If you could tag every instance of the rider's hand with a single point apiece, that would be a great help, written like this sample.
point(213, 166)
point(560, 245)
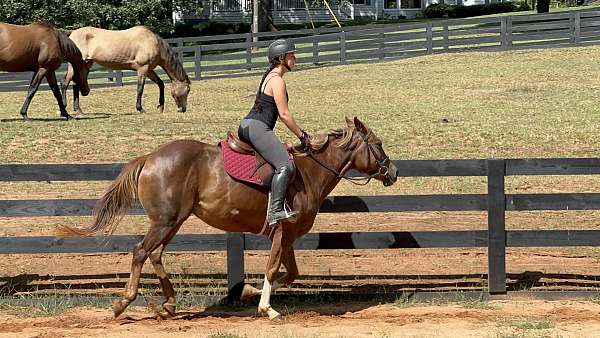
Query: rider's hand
point(305, 140)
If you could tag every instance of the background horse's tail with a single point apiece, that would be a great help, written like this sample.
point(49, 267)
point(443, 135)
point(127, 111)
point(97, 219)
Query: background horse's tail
point(117, 199)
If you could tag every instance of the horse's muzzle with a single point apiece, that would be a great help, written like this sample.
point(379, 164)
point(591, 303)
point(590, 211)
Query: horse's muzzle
point(181, 109)
point(85, 92)
point(391, 176)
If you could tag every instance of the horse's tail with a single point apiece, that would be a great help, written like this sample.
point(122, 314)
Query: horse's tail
point(117, 199)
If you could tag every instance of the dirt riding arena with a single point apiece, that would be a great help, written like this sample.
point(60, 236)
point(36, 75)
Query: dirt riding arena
point(358, 271)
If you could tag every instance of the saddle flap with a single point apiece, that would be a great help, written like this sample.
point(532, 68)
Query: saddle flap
point(238, 145)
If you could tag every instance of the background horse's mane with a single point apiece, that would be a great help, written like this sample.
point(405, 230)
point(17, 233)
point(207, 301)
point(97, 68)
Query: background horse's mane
point(318, 141)
point(171, 60)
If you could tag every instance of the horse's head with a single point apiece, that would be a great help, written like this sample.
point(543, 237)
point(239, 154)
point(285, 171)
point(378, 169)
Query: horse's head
point(81, 79)
point(368, 156)
point(180, 91)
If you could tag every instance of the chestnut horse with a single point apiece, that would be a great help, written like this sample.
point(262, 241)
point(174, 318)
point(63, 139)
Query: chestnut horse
point(136, 48)
point(186, 176)
point(41, 48)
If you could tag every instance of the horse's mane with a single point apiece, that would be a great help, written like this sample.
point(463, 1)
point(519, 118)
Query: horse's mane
point(318, 141)
point(171, 60)
point(69, 49)
point(67, 46)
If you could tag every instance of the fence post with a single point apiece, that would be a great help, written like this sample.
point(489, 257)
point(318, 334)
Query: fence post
point(503, 38)
point(198, 62)
point(381, 44)
point(509, 32)
point(249, 51)
point(119, 77)
point(343, 47)
point(445, 36)
point(577, 27)
point(429, 29)
point(316, 48)
point(235, 265)
point(496, 228)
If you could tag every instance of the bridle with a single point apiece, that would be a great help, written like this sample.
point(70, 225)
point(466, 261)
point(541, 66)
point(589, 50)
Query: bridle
point(382, 170)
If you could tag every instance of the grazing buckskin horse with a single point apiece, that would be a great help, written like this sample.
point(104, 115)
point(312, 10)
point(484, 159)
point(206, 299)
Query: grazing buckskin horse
point(186, 176)
point(136, 48)
point(41, 48)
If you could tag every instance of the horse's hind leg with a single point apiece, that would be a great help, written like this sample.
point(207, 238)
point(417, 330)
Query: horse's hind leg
point(161, 89)
point(165, 283)
point(158, 234)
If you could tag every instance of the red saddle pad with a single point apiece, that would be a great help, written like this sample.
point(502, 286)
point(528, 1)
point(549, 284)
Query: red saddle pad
point(242, 167)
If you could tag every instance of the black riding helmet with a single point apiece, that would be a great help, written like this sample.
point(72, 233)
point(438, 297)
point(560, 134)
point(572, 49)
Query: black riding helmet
point(280, 47)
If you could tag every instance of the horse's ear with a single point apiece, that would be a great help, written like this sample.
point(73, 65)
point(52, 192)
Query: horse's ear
point(359, 125)
point(349, 122)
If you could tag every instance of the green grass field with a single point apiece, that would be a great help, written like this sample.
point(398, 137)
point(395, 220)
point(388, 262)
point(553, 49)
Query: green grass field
point(515, 104)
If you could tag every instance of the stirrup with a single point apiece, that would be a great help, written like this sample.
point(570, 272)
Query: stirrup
point(286, 214)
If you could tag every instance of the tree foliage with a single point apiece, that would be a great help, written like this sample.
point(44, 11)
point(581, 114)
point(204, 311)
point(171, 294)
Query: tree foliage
point(109, 14)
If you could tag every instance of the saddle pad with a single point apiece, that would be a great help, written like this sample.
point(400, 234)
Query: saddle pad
point(242, 167)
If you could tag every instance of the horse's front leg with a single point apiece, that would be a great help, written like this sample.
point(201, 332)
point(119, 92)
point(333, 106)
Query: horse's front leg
point(141, 80)
point(64, 85)
point(289, 261)
point(51, 77)
point(33, 87)
point(264, 306)
point(161, 89)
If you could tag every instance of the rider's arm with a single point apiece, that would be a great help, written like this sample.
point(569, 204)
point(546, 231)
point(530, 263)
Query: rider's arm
point(278, 87)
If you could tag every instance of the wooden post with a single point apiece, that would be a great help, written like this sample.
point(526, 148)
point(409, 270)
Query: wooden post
point(496, 227)
point(343, 47)
point(315, 39)
point(577, 27)
point(119, 77)
point(445, 36)
point(381, 45)
point(503, 38)
point(509, 32)
point(249, 51)
point(198, 62)
point(429, 29)
point(235, 265)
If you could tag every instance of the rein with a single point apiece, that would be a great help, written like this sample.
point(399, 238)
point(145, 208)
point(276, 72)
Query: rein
point(383, 170)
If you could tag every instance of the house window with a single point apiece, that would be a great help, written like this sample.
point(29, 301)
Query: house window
point(391, 4)
point(410, 3)
point(359, 2)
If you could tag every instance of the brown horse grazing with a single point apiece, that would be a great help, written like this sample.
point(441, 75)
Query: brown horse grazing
point(136, 48)
point(185, 177)
point(41, 48)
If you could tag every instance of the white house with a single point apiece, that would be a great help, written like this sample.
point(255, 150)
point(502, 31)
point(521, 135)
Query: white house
point(295, 11)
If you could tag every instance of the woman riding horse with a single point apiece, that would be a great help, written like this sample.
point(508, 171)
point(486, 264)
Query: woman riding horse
point(257, 127)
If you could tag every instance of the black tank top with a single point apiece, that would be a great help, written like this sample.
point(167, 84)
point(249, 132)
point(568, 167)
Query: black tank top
point(268, 109)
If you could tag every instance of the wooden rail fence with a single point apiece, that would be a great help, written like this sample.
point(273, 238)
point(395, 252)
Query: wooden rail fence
point(244, 54)
point(496, 202)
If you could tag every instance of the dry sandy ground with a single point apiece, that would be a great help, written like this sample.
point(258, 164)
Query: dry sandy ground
point(500, 318)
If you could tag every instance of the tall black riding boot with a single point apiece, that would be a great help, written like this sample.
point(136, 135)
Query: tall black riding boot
point(279, 184)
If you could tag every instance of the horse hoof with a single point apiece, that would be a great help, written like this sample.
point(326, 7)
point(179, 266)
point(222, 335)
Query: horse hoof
point(249, 291)
point(170, 308)
point(161, 108)
point(141, 111)
point(66, 117)
point(26, 119)
point(118, 307)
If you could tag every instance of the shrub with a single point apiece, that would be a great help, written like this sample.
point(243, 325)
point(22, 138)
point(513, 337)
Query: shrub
point(460, 11)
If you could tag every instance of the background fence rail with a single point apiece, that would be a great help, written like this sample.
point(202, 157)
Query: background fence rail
point(243, 54)
point(496, 238)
